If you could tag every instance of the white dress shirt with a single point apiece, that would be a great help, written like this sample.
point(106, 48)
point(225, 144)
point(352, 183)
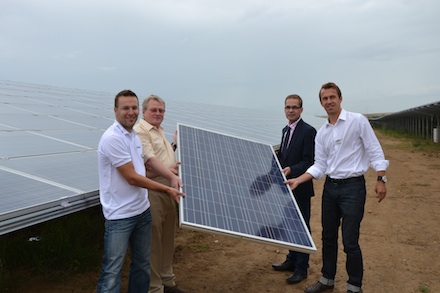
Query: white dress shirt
point(347, 148)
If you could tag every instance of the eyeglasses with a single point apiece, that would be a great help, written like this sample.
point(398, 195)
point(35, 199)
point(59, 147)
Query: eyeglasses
point(154, 110)
point(292, 108)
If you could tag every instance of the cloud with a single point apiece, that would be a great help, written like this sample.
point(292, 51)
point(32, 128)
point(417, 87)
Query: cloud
point(69, 55)
point(107, 68)
point(244, 52)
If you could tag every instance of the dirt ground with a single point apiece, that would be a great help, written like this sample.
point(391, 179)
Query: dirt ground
point(400, 239)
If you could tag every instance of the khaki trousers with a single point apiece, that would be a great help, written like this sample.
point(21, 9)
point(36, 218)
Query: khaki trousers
point(164, 214)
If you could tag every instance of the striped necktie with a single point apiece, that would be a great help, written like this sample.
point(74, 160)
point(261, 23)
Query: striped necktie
point(286, 139)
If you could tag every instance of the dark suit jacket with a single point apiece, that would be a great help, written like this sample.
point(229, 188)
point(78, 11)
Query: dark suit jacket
point(300, 155)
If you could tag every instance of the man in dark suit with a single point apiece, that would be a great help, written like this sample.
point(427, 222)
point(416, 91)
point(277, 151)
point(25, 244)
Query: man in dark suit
point(296, 155)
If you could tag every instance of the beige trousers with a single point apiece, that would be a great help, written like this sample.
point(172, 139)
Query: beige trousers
point(164, 214)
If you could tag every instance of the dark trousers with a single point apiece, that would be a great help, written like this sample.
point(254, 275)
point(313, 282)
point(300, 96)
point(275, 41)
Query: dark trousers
point(344, 201)
point(301, 260)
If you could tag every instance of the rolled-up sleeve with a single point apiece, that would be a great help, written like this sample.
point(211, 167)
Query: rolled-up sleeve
point(373, 147)
point(317, 170)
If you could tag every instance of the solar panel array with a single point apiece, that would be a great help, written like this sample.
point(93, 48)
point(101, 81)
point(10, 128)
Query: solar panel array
point(49, 136)
point(235, 187)
point(47, 152)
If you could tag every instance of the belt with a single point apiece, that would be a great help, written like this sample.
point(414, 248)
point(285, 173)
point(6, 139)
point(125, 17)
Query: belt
point(345, 181)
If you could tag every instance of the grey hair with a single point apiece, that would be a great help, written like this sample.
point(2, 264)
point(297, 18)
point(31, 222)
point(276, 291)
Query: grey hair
point(154, 98)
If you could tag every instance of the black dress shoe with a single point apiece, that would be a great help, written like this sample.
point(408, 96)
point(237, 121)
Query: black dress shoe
point(296, 278)
point(318, 287)
point(287, 265)
point(174, 289)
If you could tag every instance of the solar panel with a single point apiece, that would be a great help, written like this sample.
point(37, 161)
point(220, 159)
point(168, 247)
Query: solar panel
point(49, 136)
point(235, 187)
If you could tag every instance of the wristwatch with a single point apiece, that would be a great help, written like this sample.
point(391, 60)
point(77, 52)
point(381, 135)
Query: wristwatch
point(384, 178)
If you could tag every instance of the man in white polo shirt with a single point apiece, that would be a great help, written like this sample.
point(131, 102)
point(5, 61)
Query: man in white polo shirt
point(124, 199)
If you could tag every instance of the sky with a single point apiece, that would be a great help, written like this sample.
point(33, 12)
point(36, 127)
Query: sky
point(384, 54)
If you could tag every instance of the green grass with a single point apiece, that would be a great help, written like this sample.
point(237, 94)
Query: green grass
point(410, 141)
point(423, 288)
point(66, 245)
point(200, 243)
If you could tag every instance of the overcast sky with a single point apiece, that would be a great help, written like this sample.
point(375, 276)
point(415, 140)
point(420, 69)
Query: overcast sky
point(384, 54)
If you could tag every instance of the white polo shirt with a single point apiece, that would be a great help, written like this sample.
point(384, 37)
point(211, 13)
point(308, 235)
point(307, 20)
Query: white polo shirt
point(118, 198)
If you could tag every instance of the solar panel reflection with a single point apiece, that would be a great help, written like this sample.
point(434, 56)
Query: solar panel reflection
point(235, 187)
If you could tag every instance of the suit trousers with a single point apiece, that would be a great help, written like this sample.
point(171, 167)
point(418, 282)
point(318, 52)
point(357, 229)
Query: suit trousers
point(301, 260)
point(164, 214)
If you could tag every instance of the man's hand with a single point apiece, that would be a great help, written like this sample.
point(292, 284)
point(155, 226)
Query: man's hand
point(175, 137)
point(381, 190)
point(176, 182)
point(175, 194)
point(286, 171)
point(175, 168)
point(155, 167)
point(293, 183)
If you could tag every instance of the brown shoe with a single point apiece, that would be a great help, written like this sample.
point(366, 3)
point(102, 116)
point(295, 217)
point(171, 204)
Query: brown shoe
point(174, 289)
point(318, 287)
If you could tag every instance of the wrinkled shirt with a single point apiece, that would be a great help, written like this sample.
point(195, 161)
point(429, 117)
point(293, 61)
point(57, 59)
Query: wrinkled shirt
point(154, 144)
point(347, 148)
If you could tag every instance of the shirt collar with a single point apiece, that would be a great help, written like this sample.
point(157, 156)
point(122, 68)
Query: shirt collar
point(342, 116)
point(147, 125)
point(123, 130)
point(294, 124)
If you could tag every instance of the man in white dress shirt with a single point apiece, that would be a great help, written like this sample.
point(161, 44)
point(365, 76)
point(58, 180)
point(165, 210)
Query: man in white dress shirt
point(345, 147)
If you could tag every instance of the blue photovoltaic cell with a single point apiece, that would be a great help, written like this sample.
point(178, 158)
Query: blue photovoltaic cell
point(49, 136)
point(235, 187)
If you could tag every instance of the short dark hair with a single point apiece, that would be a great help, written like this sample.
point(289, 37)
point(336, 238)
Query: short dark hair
point(330, 85)
point(124, 93)
point(294, 96)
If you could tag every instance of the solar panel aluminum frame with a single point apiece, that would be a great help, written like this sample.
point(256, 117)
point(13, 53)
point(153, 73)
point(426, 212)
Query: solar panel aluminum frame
point(184, 223)
point(20, 219)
